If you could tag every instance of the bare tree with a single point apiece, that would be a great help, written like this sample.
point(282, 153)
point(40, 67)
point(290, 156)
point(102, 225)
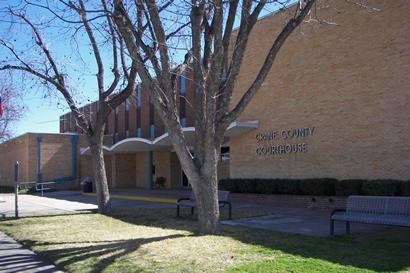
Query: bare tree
point(91, 32)
point(215, 56)
point(13, 108)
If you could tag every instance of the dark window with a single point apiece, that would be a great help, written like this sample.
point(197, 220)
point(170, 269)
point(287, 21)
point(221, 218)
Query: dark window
point(225, 155)
point(151, 120)
point(116, 136)
point(182, 101)
point(127, 118)
point(138, 104)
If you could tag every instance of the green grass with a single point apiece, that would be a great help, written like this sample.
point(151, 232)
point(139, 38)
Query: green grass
point(153, 240)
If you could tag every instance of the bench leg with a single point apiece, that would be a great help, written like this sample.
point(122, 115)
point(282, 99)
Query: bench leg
point(177, 210)
point(347, 227)
point(192, 211)
point(332, 227)
point(230, 211)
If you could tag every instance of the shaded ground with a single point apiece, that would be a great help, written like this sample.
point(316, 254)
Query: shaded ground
point(14, 258)
point(154, 240)
point(300, 221)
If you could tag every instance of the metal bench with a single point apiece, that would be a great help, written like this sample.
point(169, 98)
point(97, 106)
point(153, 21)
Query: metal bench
point(191, 202)
point(378, 210)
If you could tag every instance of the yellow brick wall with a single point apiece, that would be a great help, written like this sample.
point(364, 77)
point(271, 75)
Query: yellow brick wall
point(10, 152)
point(125, 176)
point(56, 156)
point(141, 169)
point(349, 81)
point(223, 169)
point(162, 163)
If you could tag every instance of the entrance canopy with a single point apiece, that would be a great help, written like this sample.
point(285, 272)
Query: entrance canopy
point(163, 142)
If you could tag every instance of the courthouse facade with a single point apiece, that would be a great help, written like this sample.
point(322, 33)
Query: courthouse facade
point(335, 104)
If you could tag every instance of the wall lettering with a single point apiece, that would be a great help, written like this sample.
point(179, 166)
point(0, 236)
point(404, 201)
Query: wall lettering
point(266, 145)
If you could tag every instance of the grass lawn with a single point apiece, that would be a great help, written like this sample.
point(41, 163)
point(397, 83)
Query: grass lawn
point(153, 240)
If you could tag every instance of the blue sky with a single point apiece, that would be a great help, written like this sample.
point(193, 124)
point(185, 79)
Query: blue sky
point(42, 112)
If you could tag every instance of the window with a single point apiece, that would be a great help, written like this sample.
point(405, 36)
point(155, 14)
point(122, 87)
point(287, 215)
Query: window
point(183, 84)
point(127, 105)
point(90, 109)
point(116, 135)
point(70, 123)
point(127, 118)
point(152, 131)
point(225, 155)
point(138, 97)
point(224, 73)
point(151, 121)
point(182, 102)
point(138, 112)
point(183, 122)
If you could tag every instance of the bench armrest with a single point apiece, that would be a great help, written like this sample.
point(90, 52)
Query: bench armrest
point(336, 210)
point(224, 203)
point(183, 199)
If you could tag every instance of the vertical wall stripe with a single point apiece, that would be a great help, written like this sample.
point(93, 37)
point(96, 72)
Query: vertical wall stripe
point(149, 171)
point(39, 165)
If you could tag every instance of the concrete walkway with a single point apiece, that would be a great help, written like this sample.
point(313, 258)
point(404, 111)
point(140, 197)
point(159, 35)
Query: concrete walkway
point(15, 258)
point(31, 205)
point(302, 221)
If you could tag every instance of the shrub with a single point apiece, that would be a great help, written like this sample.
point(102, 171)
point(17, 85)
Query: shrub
point(227, 184)
point(381, 187)
point(349, 187)
point(287, 186)
point(245, 185)
point(318, 186)
point(160, 181)
point(265, 186)
point(6, 189)
point(405, 188)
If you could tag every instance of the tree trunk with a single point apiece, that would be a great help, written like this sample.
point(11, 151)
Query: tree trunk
point(208, 208)
point(205, 187)
point(100, 177)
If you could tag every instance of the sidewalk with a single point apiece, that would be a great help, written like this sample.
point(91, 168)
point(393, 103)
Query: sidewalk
point(15, 258)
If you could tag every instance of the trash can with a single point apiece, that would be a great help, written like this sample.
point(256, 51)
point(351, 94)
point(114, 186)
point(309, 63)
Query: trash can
point(87, 184)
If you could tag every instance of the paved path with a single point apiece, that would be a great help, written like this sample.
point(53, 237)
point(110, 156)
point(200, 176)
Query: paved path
point(30, 205)
point(311, 222)
point(15, 258)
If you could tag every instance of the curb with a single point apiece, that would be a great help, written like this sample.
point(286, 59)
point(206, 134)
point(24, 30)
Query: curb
point(137, 198)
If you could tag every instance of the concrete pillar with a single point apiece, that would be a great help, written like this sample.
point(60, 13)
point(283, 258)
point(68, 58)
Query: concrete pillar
point(113, 171)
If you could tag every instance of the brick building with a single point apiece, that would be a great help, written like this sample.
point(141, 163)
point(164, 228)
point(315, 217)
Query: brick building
point(336, 104)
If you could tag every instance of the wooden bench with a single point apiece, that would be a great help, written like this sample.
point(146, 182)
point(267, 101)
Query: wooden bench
point(378, 210)
point(191, 202)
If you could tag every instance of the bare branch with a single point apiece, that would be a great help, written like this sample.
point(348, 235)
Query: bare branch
point(284, 34)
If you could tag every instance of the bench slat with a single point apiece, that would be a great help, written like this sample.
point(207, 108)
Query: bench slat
point(384, 210)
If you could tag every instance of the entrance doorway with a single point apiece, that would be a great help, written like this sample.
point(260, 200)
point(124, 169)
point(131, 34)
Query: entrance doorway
point(185, 182)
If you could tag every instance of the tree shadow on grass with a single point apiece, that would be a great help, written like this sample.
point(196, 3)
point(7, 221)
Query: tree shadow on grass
point(100, 254)
point(382, 250)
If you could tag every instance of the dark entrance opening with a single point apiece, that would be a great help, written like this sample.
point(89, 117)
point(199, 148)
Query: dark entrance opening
point(185, 182)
